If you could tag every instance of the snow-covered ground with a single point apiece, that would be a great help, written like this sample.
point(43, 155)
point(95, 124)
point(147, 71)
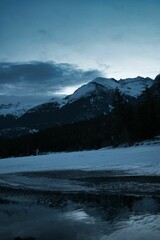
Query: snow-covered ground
point(137, 160)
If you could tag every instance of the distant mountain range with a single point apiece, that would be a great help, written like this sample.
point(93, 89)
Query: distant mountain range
point(88, 101)
point(15, 110)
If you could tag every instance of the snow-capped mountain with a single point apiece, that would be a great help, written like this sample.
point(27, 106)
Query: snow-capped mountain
point(92, 87)
point(134, 86)
point(131, 86)
point(16, 110)
point(88, 101)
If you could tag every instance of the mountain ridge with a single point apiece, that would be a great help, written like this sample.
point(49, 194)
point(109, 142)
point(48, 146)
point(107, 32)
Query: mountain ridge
point(124, 85)
point(88, 101)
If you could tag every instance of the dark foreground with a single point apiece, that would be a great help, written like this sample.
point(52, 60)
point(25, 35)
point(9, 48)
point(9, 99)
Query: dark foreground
point(79, 205)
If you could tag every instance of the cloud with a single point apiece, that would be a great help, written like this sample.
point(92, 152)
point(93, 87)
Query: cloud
point(40, 78)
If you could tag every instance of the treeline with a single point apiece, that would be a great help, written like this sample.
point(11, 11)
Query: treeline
point(128, 122)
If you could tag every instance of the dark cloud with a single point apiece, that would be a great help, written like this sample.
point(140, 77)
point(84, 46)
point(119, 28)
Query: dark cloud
point(40, 78)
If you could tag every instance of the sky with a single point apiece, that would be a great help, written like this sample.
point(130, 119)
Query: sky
point(51, 47)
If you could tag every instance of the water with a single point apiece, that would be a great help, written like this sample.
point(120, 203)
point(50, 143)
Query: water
point(98, 217)
point(79, 205)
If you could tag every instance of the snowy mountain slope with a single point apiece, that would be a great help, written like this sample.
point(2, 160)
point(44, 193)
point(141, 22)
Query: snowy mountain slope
point(108, 83)
point(16, 110)
point(83, 91)
point(134, 86)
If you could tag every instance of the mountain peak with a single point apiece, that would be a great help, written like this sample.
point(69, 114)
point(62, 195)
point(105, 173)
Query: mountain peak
point(83, 91)
point(109, 83)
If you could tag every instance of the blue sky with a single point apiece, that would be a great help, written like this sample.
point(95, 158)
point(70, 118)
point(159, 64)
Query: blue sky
point(119, 38)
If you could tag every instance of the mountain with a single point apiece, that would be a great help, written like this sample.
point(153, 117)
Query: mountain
point(88, 101)
point(131, 86)
point(9, 115)
point(135, 86)
point(15, 110)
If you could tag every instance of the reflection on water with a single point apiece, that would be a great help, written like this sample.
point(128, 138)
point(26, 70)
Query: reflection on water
point(137, 227)
point(116, 218)
point(79, 215)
